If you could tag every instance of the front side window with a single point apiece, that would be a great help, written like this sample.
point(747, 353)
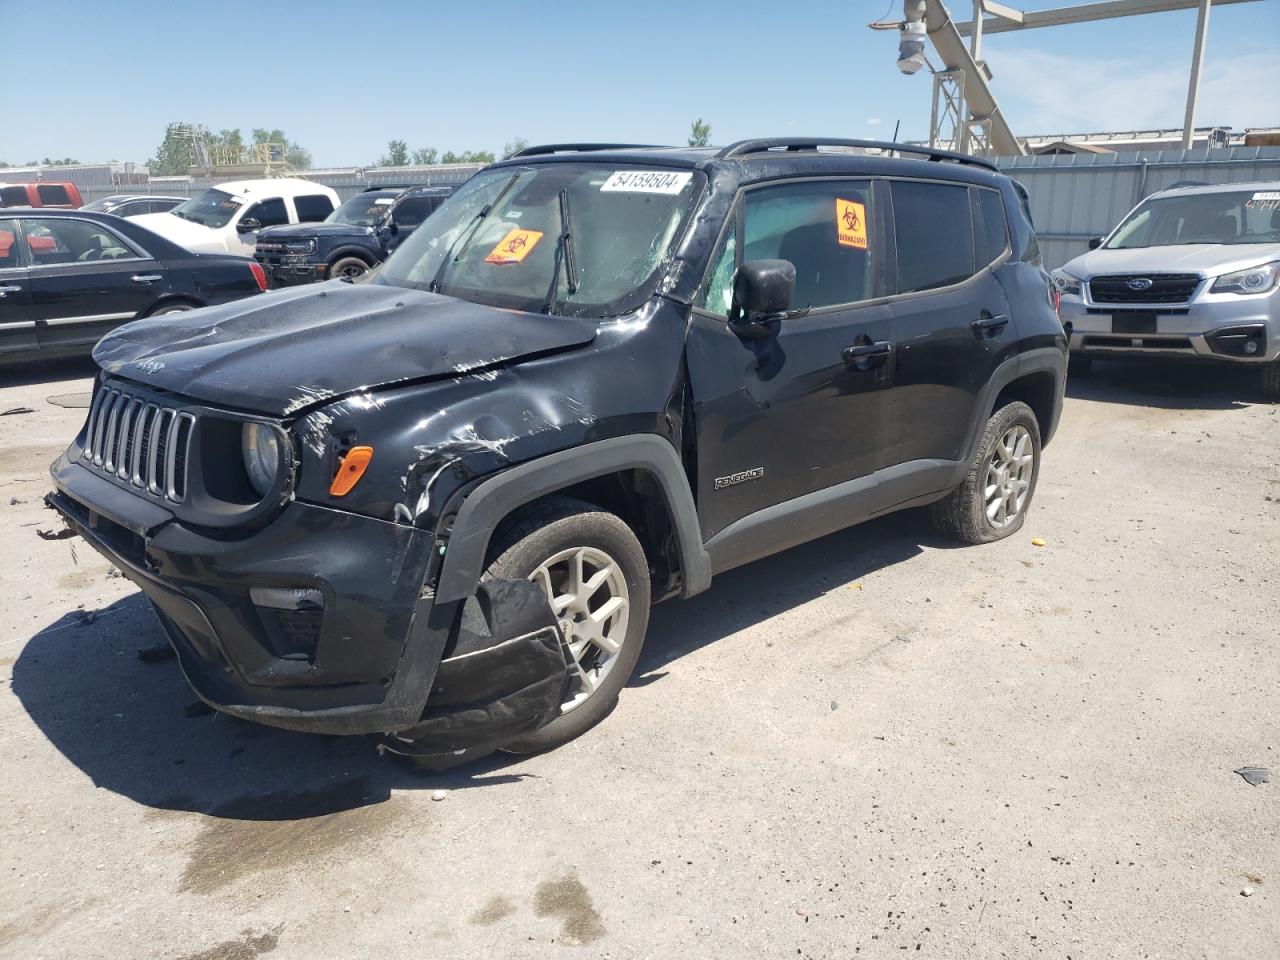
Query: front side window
point(1234, 216)
point(213, 208)
point(578, 239)
point(412, 211)
point(312, 208)
point(269, 213)
point(717, 293)
point(57, 241)
point(934, 231)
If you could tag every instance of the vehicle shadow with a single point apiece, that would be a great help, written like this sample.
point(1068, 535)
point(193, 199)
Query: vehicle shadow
point(15, 373)
point(99, 686)
point(1170, 385)
point(747, 595)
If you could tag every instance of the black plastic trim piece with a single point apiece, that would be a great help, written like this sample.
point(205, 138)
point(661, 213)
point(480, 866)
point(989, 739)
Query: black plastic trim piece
point(486, 506)
point(796, 144)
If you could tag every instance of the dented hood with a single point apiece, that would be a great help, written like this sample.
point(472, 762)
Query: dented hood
point(281, 352)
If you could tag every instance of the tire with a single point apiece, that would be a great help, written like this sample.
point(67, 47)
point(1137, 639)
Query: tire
point(964, 513)
point(347, 268)
point(1271, 381)
point(179, 306)
point(550, 529)
point(1080, 366)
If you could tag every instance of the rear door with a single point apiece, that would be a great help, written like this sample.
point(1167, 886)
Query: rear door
point(17, 324)
point(86, 279)
point(952, 322)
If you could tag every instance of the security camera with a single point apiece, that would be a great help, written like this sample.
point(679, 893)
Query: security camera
point(911, 47)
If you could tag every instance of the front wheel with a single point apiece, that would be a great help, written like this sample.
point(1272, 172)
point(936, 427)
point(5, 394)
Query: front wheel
point(594, 573)
point(1271, 381)
point(348, 268)
point(993, 500)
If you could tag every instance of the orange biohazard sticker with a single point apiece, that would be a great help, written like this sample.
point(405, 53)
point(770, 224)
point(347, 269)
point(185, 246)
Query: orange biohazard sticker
point(514, 247)
point(851, 224)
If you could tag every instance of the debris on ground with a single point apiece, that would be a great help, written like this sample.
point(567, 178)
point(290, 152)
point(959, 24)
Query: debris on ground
point(12, 410)
point(115, 573)
point(63, 534)
point(1037, 542)
point(14, 501)
point(1246, 892)
point(156, 654)
point(72, 400)
point(1254, 775)
point(437, 795)
point(86, 617)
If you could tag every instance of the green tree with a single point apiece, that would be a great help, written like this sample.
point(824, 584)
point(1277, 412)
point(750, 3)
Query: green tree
point(426, 156)
point(226, 146)
point(171, 158)
point(699, 133)
point(468, 156)
point(515, 146)
point(397, 154)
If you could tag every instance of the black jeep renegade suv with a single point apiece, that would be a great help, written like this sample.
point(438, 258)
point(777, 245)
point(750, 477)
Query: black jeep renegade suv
point(351, 241)
point(437, 506)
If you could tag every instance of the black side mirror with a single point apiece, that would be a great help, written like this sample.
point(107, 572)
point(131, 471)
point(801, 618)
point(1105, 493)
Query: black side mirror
point(248, 225)
point(762, 295)
point(1096, 242)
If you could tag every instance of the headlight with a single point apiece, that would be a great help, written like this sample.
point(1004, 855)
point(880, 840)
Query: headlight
point(1066, 283)
point(300, 246)
point(260, 449)
point(1254, 280)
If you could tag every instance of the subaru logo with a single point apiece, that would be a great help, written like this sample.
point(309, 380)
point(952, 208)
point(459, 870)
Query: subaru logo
point(1139, 283)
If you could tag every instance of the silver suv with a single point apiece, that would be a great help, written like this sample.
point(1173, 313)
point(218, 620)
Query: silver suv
point(1191, 272)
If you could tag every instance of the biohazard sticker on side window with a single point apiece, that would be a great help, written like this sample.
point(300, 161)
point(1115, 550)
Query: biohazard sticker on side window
point(646, 181)
point(851, 224)
point(514, 247)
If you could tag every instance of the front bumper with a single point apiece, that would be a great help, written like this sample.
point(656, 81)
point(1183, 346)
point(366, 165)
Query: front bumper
point(1210, 327)
point(366, 661)
point(290, 271)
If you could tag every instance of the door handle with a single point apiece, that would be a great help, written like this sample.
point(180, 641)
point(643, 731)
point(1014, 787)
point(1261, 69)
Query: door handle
point(987, 323)
point(868, 351)
point(146, 277)
point(9, 288)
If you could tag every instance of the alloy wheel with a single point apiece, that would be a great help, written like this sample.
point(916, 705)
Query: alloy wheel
point(1008, 478)
point(588, 593)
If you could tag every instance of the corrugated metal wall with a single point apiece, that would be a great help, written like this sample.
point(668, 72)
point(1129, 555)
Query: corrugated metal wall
point(1075, 197)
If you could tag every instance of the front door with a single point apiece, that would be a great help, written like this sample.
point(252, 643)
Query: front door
point(806, 407)
point(17, 324)
point(952, 322)
point(86, 279)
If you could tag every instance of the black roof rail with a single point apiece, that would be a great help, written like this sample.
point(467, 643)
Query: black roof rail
point(548, 148)
point(793, 144)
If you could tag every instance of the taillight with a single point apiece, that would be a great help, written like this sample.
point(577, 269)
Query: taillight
point(258, 274)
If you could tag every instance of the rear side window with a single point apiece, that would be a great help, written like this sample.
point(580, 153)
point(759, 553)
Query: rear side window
point(52, 194)
point(313, 208)
point(934, 235)
point(13, 196)
point(62, 240)
point(992, 232)
point(270, 213)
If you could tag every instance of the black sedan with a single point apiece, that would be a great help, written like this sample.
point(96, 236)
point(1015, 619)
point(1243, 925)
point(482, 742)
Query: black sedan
point(67, 277)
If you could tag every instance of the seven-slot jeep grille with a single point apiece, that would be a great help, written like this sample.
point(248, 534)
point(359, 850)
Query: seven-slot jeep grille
point(139, 441)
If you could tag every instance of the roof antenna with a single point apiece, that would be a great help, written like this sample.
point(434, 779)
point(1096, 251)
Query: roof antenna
point(895, 129)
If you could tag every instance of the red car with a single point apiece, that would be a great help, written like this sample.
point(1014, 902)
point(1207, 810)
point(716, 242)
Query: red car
point(42, 193)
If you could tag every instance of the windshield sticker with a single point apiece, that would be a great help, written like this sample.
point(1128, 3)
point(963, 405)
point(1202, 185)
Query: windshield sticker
point(384, 202)
point(514, 247)
point(851, 224)
point(646, 181)
point(1264, 200)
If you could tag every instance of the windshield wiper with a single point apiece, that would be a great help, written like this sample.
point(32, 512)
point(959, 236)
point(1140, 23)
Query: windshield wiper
point(564, 257)
point(462, 240)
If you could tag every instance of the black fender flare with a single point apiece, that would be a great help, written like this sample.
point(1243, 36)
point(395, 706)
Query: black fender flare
point(1050, 360)
point(493, 499)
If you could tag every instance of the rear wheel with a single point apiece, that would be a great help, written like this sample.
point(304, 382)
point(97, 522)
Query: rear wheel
point(347, 268)
point(178, 306)
point(993, 500)
point(1271, 381)
point(594, 573)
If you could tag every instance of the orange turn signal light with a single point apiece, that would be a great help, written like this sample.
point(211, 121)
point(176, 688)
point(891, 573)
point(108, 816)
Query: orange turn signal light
point(350, 470)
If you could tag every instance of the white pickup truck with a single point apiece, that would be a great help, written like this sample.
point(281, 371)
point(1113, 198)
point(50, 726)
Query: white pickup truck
point(227, 218)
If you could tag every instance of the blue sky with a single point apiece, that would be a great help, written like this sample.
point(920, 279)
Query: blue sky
point(343, 78)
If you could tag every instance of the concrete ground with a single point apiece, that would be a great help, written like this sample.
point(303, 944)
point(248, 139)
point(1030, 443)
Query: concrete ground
point(874, 745)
